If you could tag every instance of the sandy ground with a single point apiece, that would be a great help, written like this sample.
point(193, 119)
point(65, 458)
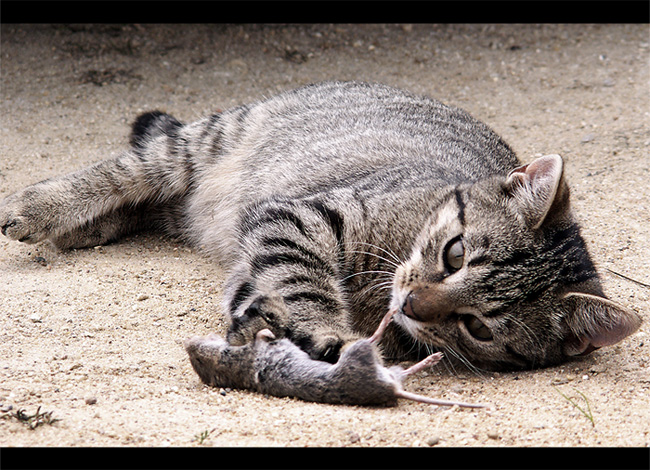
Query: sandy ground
point(94, 336)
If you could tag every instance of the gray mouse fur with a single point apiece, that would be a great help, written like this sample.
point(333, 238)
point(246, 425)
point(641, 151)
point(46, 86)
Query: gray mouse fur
point(280, 368)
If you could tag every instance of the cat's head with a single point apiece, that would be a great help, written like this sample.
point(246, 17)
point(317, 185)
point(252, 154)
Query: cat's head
point(501, 277)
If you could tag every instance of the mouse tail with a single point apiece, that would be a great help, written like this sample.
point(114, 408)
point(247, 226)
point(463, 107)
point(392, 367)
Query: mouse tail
point(434, 401)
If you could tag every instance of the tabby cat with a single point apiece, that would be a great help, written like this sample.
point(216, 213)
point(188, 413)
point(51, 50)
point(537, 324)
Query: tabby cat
point(341, 200)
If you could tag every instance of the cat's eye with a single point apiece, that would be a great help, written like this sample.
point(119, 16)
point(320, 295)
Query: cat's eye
point(477, 328)
point(454, 254)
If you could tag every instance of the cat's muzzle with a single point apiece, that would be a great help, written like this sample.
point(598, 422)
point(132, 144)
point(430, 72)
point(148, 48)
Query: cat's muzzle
point(427, 305)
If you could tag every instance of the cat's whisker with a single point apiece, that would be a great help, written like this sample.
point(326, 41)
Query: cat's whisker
point(366, 272)
point(415, 345)
point(448, 361)
point(379, 286)
point(449, 365)
point(473, 368)
point(532, 337)
point(387, 251)
point(392, 263)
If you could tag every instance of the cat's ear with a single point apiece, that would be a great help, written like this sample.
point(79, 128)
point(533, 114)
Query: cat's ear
point(593, 322)
point(539, 190)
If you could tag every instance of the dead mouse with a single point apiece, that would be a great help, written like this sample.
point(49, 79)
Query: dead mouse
point(280, 368)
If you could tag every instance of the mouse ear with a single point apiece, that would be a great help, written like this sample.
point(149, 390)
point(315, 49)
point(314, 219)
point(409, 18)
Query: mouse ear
point(539, 190)
point(594, 322)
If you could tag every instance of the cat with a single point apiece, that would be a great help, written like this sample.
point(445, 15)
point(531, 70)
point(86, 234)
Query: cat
point(345, 200)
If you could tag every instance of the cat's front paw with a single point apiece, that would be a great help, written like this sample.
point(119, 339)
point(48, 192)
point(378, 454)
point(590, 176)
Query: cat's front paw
point(265, 312)
point(22, 219)
point(325, 345)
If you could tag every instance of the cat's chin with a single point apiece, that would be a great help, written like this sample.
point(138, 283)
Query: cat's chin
point(406, 323)
point(415, 330)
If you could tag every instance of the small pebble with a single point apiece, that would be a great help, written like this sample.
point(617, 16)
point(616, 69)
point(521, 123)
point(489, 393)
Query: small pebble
point(598, 369)
point(142, 297)
point(432, 441)
point(493, 435)
point(40, 260)
point(91, 400)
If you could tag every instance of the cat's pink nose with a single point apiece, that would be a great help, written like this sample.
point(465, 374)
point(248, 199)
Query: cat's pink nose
point(426, 304)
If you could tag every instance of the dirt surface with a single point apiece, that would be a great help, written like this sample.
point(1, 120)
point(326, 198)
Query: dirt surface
point(94, 336)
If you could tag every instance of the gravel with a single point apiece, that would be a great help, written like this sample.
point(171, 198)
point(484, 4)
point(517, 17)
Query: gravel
point(95, 336)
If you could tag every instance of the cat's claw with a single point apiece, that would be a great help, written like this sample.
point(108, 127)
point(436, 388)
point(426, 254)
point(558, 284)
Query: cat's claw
point(327, 348)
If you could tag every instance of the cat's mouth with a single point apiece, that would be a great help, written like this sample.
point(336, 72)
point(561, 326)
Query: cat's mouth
point(419, 330)
point(466, 321)
point(421, 315)
point(408, 319)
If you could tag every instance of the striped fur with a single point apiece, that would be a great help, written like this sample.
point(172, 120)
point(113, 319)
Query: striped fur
point(330, 203)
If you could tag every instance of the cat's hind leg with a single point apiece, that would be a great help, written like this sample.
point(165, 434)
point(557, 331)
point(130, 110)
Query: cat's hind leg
point(105, 200)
